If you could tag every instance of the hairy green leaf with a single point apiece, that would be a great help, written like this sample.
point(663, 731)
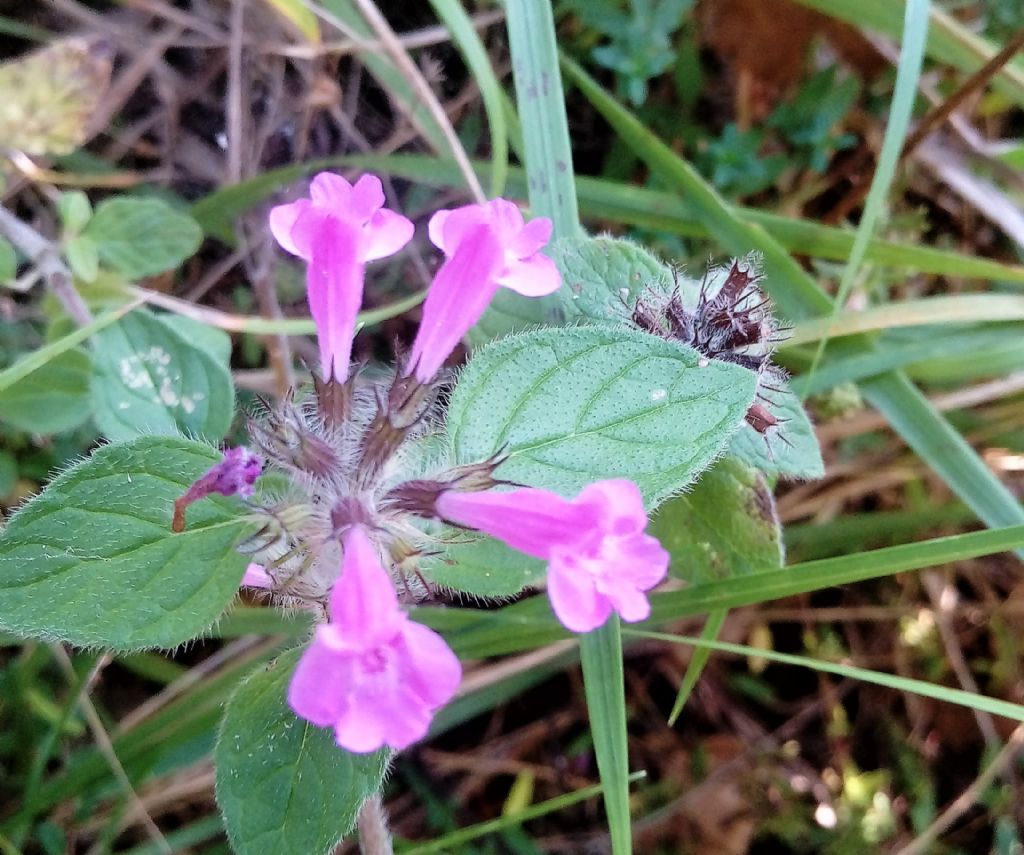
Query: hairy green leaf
point(789, 448)
point(92, 560)
point(482, 566)
point(603, 276)
point(572, 406)
point(725, 527)
point(150, 378)
point(283, 785)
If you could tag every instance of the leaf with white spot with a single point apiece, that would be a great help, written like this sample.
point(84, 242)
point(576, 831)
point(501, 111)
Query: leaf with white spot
point(150, 379)
point(574, 405)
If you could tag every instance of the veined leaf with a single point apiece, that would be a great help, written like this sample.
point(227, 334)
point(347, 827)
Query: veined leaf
point(572, 406)
point(726, 526)
point(92, 560)
point(283, 785)
point(142, 236)
point(149, 378)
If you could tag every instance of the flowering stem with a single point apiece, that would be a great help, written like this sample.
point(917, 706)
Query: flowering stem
point(374, 835)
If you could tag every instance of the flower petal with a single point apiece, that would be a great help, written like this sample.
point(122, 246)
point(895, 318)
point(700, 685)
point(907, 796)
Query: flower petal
point(429, 668)
point(458, 225)
point(334, 280)
point(458, 296)
point(535, 276)
point(332, 192)
point(318, 688)
point(631, 603)
point(366, 199)
point(256, 576)
point(364, 606)
point(574, 598)
point(435, 228)
point(385, 234)
point(532, 238)
point(507, 219)
point(382, 714)
point(282, 224)
point(622, 504)
point(529, 519)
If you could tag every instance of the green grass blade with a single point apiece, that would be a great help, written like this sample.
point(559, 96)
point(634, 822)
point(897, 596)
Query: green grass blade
point(552, 187)
point(539, 97)
point(715, 622)
point(890, 681)
point(908, 71)
point(604, 684)
point(467, 40)
point(493, 826)
point(798, 296)
point(604, 200)
point(529, 624)
point(963, 308)
point(38, 358)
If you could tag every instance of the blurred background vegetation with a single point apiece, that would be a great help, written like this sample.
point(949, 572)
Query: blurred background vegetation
point(216, 107)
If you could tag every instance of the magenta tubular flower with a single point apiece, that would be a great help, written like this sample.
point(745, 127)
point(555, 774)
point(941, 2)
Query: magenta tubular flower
point(372, 674)
point(486, 247)
point(599, 558)
point(337, 231)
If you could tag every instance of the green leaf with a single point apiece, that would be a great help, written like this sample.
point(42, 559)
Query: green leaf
point(8, 474)
point(53, 398)
point(83, 257)
point(149, 378)
point(789, 448)
point(726, 526)
point(283, 785)
point(603, 276)
point(483, 567)
point(8, 261)
point(572, 406)
point(74, 210)
point(142, 236)
point(92, 560)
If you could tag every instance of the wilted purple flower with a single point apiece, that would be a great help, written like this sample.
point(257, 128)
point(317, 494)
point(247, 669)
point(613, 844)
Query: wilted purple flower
point(234, 475)
point(599, 558)
point(337, 231)
point(487, 247)
point(372, 674)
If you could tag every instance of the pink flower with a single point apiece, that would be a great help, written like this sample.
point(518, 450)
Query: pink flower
point(599, 558)
point(486, 247)
point(337, 231)
point(256, 576)
point(371, 673)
